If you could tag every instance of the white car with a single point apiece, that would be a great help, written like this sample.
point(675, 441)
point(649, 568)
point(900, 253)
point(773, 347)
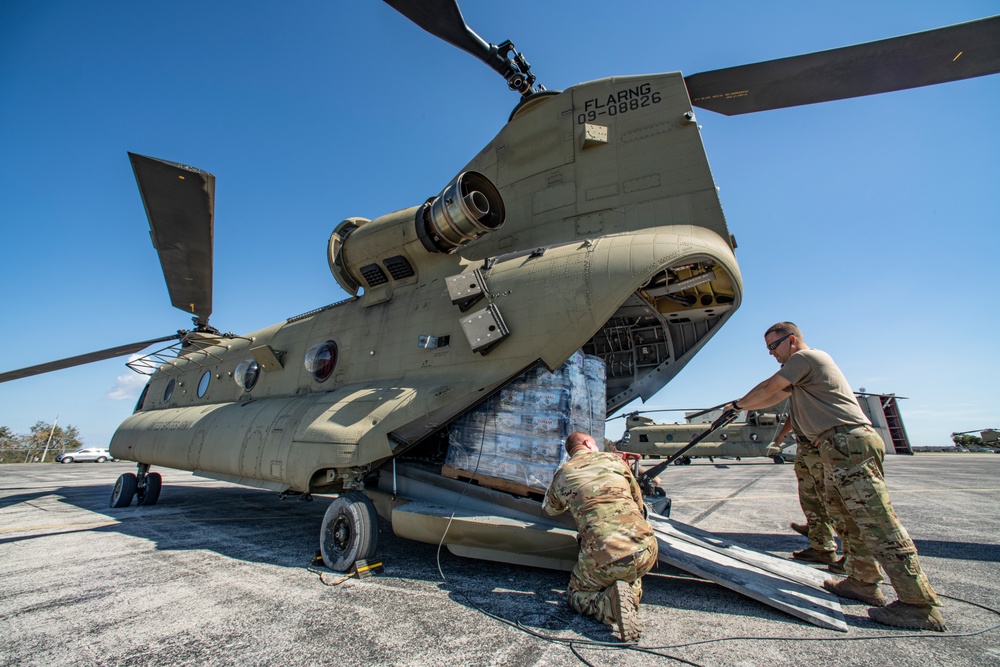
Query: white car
point(94, 454)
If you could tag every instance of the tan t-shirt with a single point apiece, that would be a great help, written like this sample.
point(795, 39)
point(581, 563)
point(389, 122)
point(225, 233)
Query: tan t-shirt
point(821, 397)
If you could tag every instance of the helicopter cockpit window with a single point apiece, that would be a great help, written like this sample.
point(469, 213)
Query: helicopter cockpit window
point(169, 391)
point(321, 359)
point(206, 377)
point(142, 398)
point(247, 374)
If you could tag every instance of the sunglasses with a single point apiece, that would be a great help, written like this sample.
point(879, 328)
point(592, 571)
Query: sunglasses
point(774, 346)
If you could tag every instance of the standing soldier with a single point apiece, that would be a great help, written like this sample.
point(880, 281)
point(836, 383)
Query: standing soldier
point(820, 520)
point(828, 413)
point(617, 545)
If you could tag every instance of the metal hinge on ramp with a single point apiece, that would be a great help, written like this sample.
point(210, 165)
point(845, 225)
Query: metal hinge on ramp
point(786, 585)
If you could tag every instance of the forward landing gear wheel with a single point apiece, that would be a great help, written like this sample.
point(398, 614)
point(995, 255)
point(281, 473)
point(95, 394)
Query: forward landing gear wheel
point(124, 490)
point(778, 458)
point(349, 531)
point(150, 492)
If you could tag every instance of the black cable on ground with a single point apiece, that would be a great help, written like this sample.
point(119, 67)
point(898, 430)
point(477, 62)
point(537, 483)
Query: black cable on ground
point(915, 634)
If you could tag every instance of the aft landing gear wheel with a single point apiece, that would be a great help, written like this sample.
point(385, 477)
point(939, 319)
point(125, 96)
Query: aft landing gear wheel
point(124, 490)
point(349, 531)
point(149, 492)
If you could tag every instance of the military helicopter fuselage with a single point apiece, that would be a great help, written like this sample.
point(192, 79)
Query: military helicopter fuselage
point(603, 232)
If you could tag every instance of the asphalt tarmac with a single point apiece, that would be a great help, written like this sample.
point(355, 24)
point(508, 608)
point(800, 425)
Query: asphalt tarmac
point(217, 574)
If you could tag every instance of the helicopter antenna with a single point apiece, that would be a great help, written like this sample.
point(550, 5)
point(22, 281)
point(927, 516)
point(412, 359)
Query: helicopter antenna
point(443, 19)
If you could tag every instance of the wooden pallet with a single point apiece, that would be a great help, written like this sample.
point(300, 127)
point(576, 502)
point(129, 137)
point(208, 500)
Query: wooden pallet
point(496, 483)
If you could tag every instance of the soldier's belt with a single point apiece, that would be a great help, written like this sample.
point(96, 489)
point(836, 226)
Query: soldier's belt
point(845, 428)
point(631, 556)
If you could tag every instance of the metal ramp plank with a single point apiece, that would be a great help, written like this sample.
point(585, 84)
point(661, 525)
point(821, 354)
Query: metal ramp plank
point(793, 588)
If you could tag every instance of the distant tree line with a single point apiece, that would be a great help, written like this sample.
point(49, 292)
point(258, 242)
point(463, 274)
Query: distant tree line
point(30, 447)
point(967, 440)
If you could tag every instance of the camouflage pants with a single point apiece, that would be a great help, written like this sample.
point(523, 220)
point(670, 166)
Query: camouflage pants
point(855, 486)
point(812, 498)
point(589, 583)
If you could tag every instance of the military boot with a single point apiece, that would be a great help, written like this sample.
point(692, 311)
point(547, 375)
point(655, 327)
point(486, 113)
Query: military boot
point(800, 528)
point(626, 610)
point(853, 589)
point(811, 555)
point(838, 566)
point(909, 616)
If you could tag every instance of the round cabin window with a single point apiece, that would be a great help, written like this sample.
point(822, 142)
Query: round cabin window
point(321, 359)
point(247, 374)
point(206, 377)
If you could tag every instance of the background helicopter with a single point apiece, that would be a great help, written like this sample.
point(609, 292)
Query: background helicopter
point(263, 243)
point(749, 437)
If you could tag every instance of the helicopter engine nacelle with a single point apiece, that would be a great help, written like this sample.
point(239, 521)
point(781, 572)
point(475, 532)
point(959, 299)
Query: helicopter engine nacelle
point(370, 253)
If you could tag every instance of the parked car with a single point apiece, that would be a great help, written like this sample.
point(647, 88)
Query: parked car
point(94, 454)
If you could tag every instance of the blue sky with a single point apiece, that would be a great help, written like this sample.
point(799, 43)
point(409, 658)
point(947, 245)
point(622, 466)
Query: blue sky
point(872, 223)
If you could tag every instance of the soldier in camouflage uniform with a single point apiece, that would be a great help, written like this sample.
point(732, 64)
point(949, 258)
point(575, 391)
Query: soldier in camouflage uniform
point(828, 413)
point(822, 522)
point(617, 545)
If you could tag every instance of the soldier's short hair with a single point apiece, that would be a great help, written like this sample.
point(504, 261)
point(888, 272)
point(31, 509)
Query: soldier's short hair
point(576, 440)
point(783, 329)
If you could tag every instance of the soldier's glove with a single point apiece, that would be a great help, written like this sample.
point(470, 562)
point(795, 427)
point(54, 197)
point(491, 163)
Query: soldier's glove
point(772, 450)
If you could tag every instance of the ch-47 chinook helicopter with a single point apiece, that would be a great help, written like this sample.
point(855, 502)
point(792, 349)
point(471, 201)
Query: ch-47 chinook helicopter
point(591, 221)
point(751, 437)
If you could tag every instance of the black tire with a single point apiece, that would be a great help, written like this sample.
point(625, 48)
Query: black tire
point(67, 459)
point(124, 489)
point(100, 459)
point(349, 531)
point(150, 493)
point(778, 458)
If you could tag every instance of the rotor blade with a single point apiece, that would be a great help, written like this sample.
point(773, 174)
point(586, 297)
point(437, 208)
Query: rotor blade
point(647, 412)
point(179, 202)
point(936, 56)
point(443, 19)
point(81, 359)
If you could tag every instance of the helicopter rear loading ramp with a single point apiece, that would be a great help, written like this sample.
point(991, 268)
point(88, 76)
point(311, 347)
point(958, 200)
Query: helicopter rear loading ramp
point(478, 522)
